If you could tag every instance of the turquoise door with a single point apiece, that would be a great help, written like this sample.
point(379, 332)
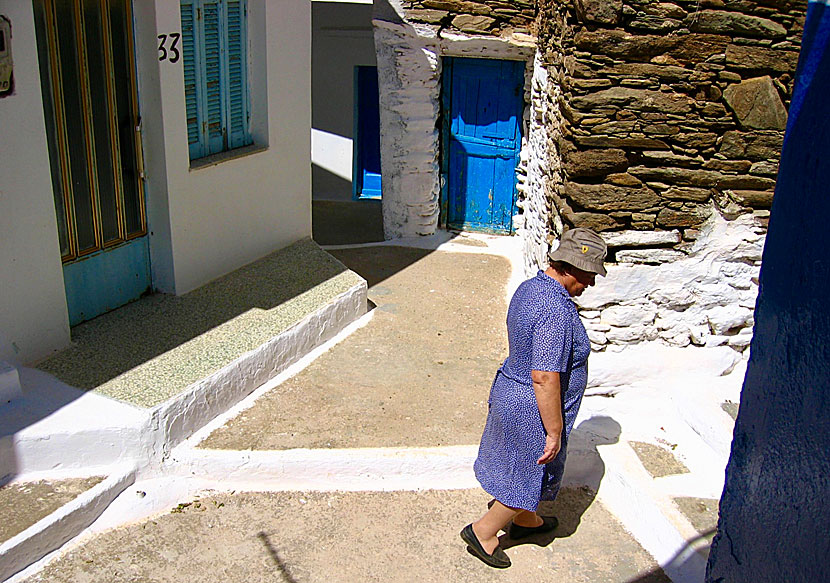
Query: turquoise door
point(483, 100)
point(85, 51)
point(366, 174)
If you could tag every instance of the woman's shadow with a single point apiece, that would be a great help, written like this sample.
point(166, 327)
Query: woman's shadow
point(584, 471)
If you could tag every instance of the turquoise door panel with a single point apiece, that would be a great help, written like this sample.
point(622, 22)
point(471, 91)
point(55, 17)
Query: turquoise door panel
point(484, 100)
point(106, 280)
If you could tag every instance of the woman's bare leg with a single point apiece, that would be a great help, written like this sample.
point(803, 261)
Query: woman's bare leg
point(528, 519)
point(488, 526)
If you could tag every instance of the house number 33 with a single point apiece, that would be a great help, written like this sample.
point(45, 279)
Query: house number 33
point(169, 47)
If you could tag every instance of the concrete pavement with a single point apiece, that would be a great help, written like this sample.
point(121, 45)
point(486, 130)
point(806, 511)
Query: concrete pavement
point(349, 527)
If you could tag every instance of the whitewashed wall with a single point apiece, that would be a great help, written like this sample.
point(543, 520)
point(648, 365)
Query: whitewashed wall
point(33, 316)
point(706, 298)
point(208, 221)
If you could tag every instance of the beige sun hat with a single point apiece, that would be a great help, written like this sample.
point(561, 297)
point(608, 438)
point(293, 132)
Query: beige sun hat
point(582, 248)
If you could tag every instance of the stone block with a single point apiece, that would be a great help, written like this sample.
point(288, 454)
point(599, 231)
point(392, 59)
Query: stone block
point(642, 221)
point(765, 168)
point(696, 140)
point(473, 24)
point(691, 49)
point(746, 182)
point(457, 6)
point(600, 11)
point(595, 221)
point(734, 166)
point(665, 10)
point(607, 197)
point(596, 162)
point(649, 256)
point(625, 143)
point(641, 238)
point(761, 58)
point(755, 146)
point(722, 319)
point(636, 100)
point(623, 179)
point(629, 315)
point(596, 337)
point(757, 104)
point(681, 218)
point(429, 16)
point(687, 193)
point(657, 24)
point(734, 23)
point(684, 49)
point(752, 198)
point(670, 158)
point(683, 176)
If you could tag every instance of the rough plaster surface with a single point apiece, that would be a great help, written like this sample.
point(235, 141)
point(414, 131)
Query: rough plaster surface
point(779, 467)
point(340, 536)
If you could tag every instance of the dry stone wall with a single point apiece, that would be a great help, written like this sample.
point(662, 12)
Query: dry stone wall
point(658, 124)
point(673, 120)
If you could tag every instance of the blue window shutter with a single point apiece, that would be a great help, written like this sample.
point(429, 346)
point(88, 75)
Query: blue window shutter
point(190, 58)
point(237, 57)
point(214, 51)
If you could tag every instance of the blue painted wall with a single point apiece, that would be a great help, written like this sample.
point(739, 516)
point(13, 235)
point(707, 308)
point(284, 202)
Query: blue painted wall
point(775, 518)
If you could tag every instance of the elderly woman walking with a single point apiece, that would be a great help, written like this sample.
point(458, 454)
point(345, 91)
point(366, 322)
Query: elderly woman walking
point(535, 397)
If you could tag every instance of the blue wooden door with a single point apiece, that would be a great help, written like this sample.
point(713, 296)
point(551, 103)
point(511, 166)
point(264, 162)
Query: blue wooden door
point(483, 101)
point(366, 173)
point(89, 93)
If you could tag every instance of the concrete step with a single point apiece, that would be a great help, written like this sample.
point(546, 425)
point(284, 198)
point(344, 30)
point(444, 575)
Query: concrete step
point(64, 523)
point(125, 394)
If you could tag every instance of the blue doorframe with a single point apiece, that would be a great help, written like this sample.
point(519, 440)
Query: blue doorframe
point(366, 181)
point(482, 108)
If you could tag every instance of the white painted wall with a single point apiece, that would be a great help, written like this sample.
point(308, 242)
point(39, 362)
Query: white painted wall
point(208, 221)
point(341, 39)
point(33, 316)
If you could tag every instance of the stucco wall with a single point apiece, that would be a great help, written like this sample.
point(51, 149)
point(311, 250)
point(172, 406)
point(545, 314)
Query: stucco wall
point(213, 219)
point(774, 522)
point(341, 39)
point(33, 316)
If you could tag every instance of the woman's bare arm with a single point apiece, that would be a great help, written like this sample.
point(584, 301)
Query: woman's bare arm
point(549, 400)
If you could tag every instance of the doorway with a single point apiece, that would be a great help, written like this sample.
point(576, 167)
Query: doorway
point(366, 176)
point(87, 69)
point(482, 104)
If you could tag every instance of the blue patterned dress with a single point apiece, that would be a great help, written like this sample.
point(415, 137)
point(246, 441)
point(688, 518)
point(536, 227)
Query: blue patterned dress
point(544, 333)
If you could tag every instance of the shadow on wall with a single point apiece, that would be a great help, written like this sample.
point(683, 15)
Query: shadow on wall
point(346, 222)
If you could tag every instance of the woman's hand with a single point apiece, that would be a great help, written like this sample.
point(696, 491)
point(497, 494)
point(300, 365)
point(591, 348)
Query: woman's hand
point(552, 445)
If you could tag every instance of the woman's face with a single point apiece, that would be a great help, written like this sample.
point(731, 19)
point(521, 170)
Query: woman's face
point(578, 280)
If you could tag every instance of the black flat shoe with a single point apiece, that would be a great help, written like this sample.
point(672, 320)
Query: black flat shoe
point(498, 559)
point(517, 532)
